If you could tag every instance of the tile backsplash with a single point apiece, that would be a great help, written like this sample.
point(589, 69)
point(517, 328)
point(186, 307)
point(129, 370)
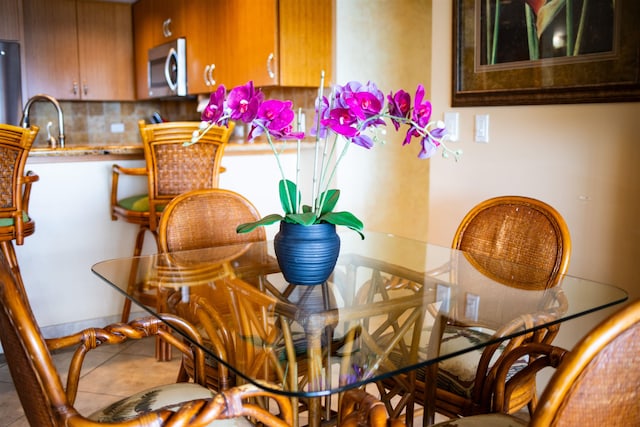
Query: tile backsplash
point(89, 123)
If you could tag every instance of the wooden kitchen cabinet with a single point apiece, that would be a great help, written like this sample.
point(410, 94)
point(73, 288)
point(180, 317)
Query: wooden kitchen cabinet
point(155, 22)
point(208, 52)
point(278, 42)
point(10, 20)
point(272, 42)
point(79, 50)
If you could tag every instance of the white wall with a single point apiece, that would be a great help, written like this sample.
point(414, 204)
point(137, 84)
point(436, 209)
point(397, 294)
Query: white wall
point(70, 205)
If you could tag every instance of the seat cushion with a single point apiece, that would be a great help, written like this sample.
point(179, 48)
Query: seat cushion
point(139, 203)
point(488, 420)
point(163, 397)
point(457, 374)
point(8, 222)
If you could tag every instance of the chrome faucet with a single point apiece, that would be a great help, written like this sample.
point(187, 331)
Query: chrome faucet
point(41, 97)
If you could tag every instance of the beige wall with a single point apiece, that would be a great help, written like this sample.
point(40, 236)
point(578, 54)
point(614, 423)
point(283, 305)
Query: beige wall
point(389, 43)
point(582, 159)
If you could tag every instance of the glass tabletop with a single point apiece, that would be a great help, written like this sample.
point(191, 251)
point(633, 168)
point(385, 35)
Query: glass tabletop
point(392, 305)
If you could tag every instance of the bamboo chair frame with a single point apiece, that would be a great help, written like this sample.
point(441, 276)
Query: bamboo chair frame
point(171, 169)
point(47, 402)
point(595, 384)
point(534, 240)
point(15, 190)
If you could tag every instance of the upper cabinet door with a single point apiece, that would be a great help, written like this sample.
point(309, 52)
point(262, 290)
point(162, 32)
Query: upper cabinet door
point(51, 48)
point(9, 20)
point(156, 22)
point(305, 42)
point(208, 53)
point(252, 37)
point(105, 51)
point(82, 53)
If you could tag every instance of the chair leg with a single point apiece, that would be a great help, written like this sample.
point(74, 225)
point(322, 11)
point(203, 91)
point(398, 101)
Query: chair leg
point(10, 254)
point(137, 250)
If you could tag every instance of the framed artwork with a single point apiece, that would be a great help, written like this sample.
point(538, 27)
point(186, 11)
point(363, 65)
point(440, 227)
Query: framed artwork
point(545, 52)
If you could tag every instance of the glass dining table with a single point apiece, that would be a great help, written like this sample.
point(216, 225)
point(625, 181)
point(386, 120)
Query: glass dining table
point(379, 317)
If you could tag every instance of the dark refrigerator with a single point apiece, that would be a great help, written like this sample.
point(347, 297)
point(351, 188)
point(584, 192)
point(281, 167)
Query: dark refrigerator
point(10, 83)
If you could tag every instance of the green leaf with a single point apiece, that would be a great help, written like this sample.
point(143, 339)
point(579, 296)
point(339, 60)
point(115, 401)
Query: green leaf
point(250, 226)
point(307, 218)
point(288, 196)
point(330, 201)
point(306, 208)
point(344, 218)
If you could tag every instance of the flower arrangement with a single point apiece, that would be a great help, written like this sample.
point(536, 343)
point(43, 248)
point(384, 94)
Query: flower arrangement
point(348, 117)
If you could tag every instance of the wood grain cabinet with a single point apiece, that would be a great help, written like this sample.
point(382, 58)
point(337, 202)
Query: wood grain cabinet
point(272, 42)
point(9, 20)
point(155, 22)
point(79, 50)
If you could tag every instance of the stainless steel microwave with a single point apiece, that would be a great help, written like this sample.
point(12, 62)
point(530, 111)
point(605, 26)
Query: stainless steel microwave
point(167, 69)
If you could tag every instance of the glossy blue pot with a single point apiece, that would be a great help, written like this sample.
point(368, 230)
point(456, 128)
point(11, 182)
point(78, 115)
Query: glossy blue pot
point(307, 254)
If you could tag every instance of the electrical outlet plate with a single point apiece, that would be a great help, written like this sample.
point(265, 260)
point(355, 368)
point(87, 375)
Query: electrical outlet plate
point(452, 123)
point(482, 128)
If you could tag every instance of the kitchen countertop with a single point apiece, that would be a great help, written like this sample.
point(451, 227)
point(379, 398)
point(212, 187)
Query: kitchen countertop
point(81, 153)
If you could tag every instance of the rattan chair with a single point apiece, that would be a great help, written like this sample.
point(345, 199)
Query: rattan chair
point(47, 402)
point(204, 218)
point(520, 242)
point(15, 189)
point(171, 169)
point(517, 241)
point(201, 219)
point(596, 384)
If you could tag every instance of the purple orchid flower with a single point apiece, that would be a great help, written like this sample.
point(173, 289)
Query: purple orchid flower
point(399, 106)
point(244, 102)
point(275, 117)
point(322, 108)
point(431, 142)
point(421, 115)
point(214, 110)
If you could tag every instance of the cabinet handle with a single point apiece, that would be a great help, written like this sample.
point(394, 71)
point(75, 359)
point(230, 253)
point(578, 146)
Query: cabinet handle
point(74, 89)
point(270, 71)
point(166, 28)
point(85, 88)
point(205, 75)
point(212, 81)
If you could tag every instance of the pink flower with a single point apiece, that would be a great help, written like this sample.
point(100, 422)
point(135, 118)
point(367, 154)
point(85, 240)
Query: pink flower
point(244, 101)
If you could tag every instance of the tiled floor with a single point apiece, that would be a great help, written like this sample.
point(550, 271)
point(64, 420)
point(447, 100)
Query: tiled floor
point(110, 372)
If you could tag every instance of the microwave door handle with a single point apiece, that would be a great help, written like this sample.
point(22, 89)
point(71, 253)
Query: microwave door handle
point(167, 72)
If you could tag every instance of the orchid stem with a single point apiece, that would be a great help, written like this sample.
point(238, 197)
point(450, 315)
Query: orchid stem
point(314, 190)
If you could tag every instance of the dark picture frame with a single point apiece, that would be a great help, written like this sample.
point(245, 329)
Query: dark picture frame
point(606, 70)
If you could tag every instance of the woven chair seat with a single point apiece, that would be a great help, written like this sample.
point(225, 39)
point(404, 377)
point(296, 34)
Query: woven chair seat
point(458, 374)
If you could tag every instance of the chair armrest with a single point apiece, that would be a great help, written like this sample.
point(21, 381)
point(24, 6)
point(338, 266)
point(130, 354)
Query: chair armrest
point(117, 333)
point(541, 355)
point(29, 178)
point(116, 171)
point(359, 408)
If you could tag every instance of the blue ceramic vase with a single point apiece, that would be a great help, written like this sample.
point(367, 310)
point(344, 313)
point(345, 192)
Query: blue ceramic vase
point(307, 254)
